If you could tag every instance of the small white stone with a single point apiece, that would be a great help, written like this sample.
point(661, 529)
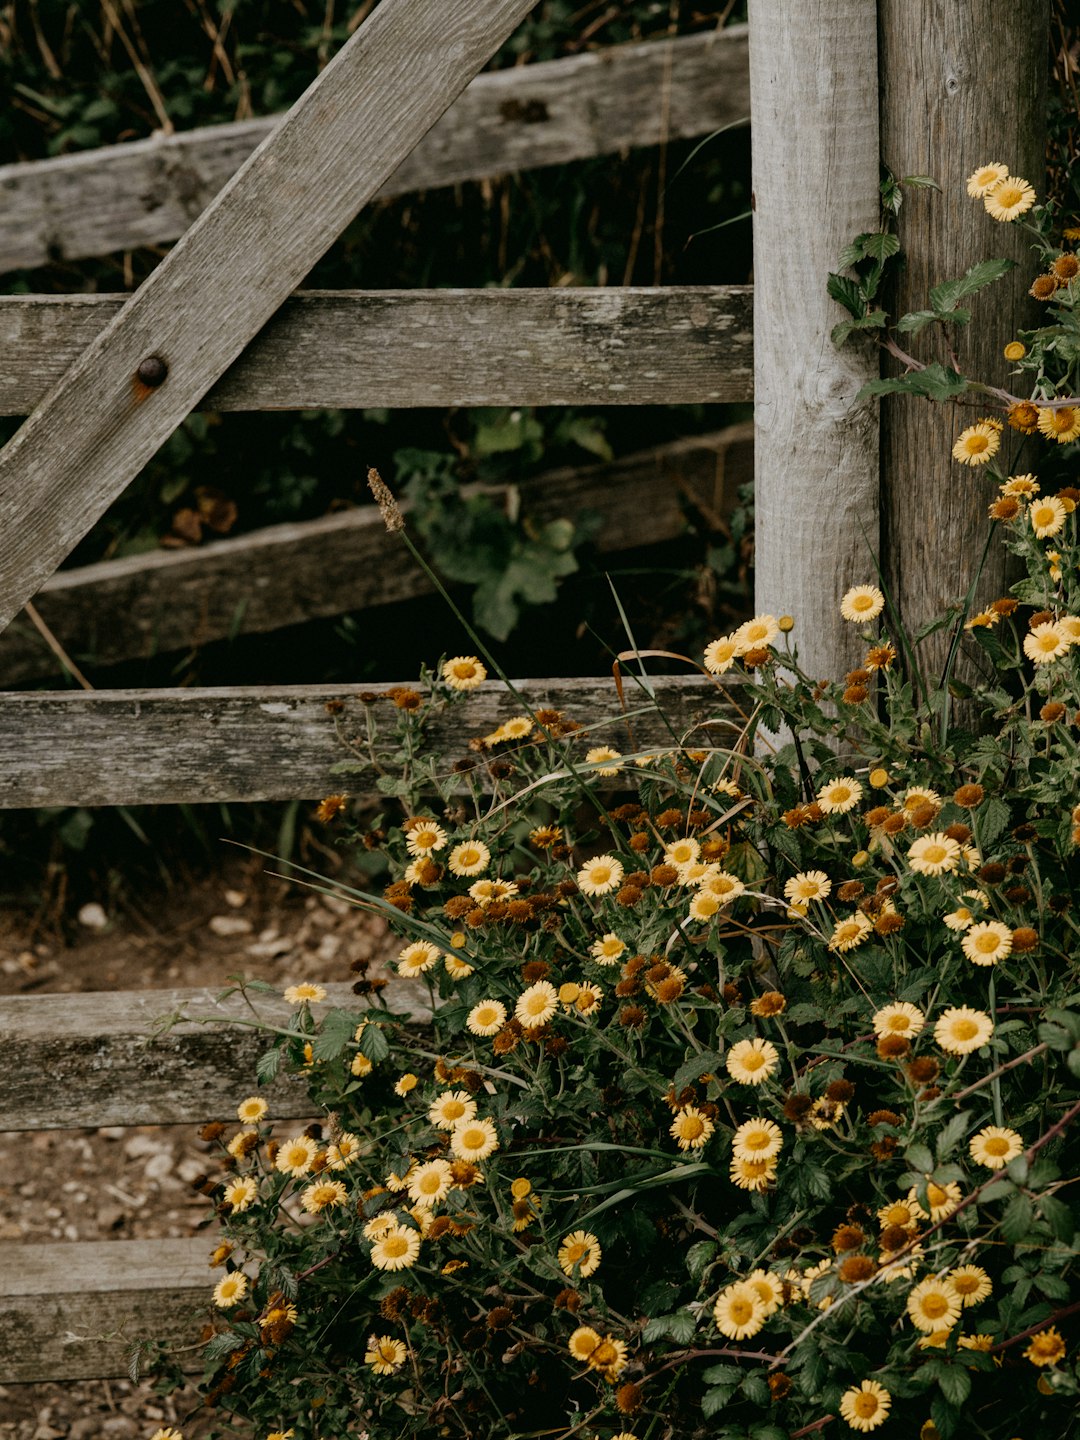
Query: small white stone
point(93, 916)
point(227, 925)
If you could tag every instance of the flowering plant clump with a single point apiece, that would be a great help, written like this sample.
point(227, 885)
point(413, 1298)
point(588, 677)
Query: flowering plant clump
point(728, 1084)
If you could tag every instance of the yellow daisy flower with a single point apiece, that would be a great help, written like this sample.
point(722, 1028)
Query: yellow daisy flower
point(296, 1156)
point(866, 1406)
point(230, 1289)
point(682, 852)
point(1009, 198)
point(861, 604)
point(416, 958)
point(240, 1195)
point(469, 858)
point(1015, 350)
point(603, 756)
point(323, 1195)
point(755, 1175)
point(899, 1018)
point(1047, 516)
point(463, 672)
point(752, 1061)
point(452, 1106)
point(691, 1128)
point(960, 1030)
point(839, 796)
point(1046, 643)
point(600, 875)
point(851, 932)
point(721, 654)
point(757, 1139)
point(987, 943)
point(761, 630)
point(583, 1342)
point(486, 1018)
point(769, 1289)
point(607, 950)
point(457, 968)
point(807, 885)
point(977, 444)
point(934, 854)
point(1046, 1348)
point(304, 994)
point(981, 181)
point(971, 1283)
point(397, 1248)
point(384, 1354)
point(537, 1005)
point(933, 1305)
point(739, 1311)
point(252, 1110)
point(474, 1139)
point(994, 1146)
point(430, 1183)
point(1060, 423)
point(579, 1248)
point(1020, 485)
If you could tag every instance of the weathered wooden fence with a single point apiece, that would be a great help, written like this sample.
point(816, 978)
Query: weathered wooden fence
point(108, 381)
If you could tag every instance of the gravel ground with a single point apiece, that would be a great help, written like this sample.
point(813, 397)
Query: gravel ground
point(134, 1183)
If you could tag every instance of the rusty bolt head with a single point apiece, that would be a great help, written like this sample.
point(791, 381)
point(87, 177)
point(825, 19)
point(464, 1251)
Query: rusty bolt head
point(152, 371)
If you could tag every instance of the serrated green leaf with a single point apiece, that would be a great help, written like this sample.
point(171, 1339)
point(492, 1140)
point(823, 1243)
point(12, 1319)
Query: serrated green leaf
point(952, 1134)
point(722, 1375)
point(697, 1065)
point(335, 1032)
point(847, 293)
point(881, 245)
point(920, 182)
point(699, 1257)
point(991, 818)
point(914, 321)
point(919, 1158)
point(715, 1400)
point(1058, 1216)
point(934, 382)
point(374, 1044)
point(1017, 1220)
point(267, 1066)
point(955, 1384)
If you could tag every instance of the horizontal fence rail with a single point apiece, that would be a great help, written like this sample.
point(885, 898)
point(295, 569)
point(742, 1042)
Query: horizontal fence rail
point(73, 1311)
point(149, 747)
point(148, 192)
point(144, 605)
point(118, 1072)
point(360, 349)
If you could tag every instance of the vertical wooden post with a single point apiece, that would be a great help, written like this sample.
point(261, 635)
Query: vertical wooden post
point(814, 138)
point(961, 86)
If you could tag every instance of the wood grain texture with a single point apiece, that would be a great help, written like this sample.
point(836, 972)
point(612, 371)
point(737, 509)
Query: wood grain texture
point(672, 345)
point(948, 105)
point(116, 1072)
point(148, 747)
point(814, 143)
point(148, 192)
point(73, 1311)
point(143, 605)
point(236, 265)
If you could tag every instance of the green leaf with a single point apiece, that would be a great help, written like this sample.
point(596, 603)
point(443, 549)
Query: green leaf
point(697, 1065)
point(699, 1257)
point(914, 321)
point(955, 1384)
point(1058, 1216)
point(952, 1134)
point(943, 297)
point(722, 1375)
point(919, 1158)
point(934, 382)
point(267, 1066)
point(1016, 1222)
point(335, 1032)
point(920, 182)
point(715, 1400)
point(847, 293)
point(881, 245)
point(991, 819)
point(374, 1044)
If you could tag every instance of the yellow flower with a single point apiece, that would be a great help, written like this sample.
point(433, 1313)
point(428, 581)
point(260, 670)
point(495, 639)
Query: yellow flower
point(1014, 350)
point(486, 1018)
point(757, 1139)
point(934, 854)
point(1046, 643)
point(252, 1110)
point(407, 1082)
point(959, 919)
point(485, 891)
point(361, 1066)
point(343, 1152)
point(385, 1354)
point(761, 630)
point(602, 757)
point(691, 1128)
point(452, 1106)
point(722, 885)
point(583, 1342)
point(1009, 198)
point(994, 1146)
point(230, 1289)
point(474, 1139)
point(600, 875)
point(168, 1433)
point(985, 178)
point(987, 943)
point(769, 1289)
point(397, 1248)
point(960, 1030)
point(808, 885)
point(609, 1358)
point(463, 672)
point(862, 603)
point(971, 1283)
point(899, 1213)
point(607, 950)
point(878, 778)
point(414, 959)
point(942, 1199)
point(241, 1194)
point(1061, 423)
point(739, 1311)
point(933, 1305)
point(537, 1005)
point(1046, 1348)
point(430, 1183)
point(721, 654)
point(866, 1406)
point(1020, 485)
point(752, 1061)
point(468, 858)
point(305, 994)
point(900, 1018)
point(755, 1175)
point(588, 998)
point(323, 1195)
point(425, 838)
point(851, 932)
point(1047, 516)
point(455, 967)
point(296, 1156)
point(977, 444)
point(839, 796)
point(582, 1249)
point(682, 852)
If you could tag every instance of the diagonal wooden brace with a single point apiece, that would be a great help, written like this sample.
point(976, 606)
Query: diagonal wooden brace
point(241, 259)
